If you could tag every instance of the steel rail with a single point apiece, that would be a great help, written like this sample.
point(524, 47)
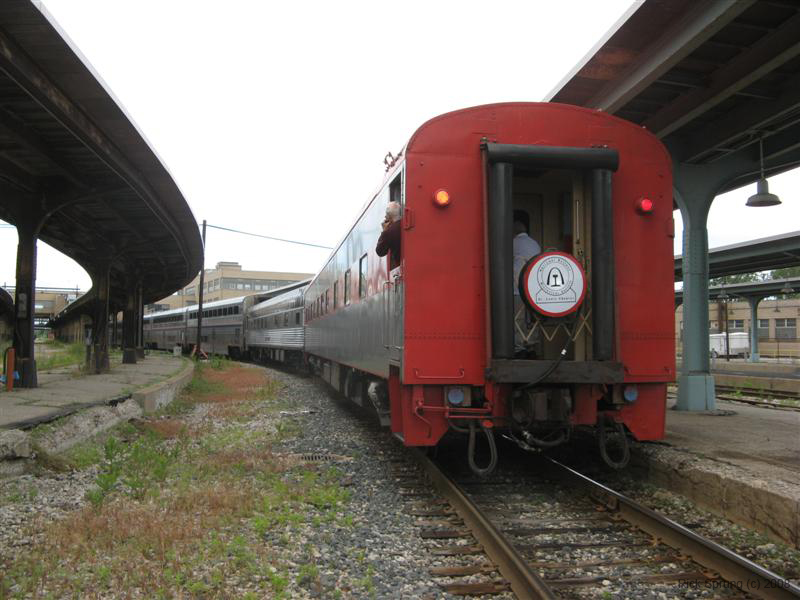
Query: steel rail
point(735, 569)
point(763, 404)
point(525, 583)
point(759, 392)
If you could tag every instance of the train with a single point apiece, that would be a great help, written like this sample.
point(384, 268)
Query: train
point(444, 333)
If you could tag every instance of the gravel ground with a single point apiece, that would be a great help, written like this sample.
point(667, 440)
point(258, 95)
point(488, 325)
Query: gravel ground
point(29, 499)
point(378, 555)
point(379, 552)
point(384, 536)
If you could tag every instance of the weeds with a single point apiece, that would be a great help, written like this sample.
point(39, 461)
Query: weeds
point(62, 355)
point(195, 508)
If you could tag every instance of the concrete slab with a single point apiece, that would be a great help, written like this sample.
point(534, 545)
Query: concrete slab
point(748, 436)
point(62, 390)
point(740, 462)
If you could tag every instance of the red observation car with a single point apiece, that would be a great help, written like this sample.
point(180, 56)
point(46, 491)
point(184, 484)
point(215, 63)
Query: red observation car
point(531, 291)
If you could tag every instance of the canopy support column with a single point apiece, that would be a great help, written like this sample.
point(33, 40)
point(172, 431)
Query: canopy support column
point(754, 301)
point(24, 307)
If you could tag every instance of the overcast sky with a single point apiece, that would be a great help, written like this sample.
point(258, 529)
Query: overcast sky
point(274, 117)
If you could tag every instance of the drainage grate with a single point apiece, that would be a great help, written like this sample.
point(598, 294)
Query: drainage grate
point(320, 457)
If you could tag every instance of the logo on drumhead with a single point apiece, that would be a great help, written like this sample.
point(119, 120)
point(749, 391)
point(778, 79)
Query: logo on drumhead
point(553, 284)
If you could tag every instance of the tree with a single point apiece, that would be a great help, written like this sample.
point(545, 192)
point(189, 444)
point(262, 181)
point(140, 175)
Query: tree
point(737, 278)
point(785, 273)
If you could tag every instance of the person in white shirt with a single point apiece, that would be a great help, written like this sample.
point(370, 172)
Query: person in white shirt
point(525, 248)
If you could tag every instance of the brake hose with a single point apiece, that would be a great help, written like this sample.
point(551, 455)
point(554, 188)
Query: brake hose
point(487, 470)
point(603, 442)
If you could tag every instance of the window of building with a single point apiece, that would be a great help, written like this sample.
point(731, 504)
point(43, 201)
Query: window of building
point(327, 301)
point(736, 324)
point(239, 285)
point(347, 287)
point(335, 294)
point(786, 329)
point(763, 323)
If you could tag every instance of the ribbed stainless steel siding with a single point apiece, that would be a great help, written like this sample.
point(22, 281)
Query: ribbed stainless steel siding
point(288, 337)
point(354, 335)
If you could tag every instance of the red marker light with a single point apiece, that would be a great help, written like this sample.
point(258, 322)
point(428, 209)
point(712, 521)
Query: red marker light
point(441, 198)
point(644, 206)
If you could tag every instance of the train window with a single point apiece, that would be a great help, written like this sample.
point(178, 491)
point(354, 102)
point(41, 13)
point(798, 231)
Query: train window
point(285, 319)
point(362, 276)
point(327, 300)
point(276, 319)
point(347, 287)
point(335, 294)
point(297, 317)
point(396, 190)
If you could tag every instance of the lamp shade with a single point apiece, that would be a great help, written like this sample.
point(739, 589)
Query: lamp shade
point(762, 197)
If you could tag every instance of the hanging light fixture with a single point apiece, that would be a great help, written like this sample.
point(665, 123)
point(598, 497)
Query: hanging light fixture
point(762, 197)
point(787, 289)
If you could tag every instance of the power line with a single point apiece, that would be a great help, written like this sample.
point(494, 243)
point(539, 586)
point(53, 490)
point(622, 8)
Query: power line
point(267, 237)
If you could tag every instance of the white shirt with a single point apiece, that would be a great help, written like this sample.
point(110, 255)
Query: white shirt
point(525, 248)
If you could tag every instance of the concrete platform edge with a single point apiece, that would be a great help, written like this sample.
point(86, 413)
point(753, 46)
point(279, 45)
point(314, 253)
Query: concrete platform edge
point(731, 493)
point(17, 447)
point(160, 394)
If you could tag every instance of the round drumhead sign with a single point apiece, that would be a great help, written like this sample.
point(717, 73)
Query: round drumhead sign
point(553, 284)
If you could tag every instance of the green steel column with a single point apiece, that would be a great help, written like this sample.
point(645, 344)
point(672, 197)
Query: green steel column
point(754, 301)
point(695, 384)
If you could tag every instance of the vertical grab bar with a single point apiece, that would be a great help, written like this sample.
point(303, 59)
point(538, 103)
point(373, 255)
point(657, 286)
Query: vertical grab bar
point(386, 313)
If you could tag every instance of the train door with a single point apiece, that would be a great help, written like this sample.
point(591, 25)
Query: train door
point(575, 312)
point(552, 207)
point(395, 288)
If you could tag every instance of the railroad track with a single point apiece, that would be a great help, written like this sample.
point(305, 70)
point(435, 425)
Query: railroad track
point(753, 397)
point(564, 535)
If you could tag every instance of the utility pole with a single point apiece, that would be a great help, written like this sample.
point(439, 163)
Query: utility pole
point(199, 346)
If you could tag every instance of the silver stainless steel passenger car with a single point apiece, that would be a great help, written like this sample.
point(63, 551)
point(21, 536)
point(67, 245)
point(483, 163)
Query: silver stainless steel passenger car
point(275, 328)
point(223, 327)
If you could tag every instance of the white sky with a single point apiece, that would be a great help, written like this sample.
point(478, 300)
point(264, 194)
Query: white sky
point(274, 117)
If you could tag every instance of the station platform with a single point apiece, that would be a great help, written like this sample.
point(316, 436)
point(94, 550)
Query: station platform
point(62, 391)
point(741, 462)
point(751, 437)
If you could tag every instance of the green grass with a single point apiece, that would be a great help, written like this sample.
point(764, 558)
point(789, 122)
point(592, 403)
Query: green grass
point(65, 355)
point(175, 500)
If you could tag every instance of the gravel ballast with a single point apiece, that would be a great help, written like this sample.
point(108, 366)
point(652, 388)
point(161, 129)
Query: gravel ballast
point(370, 547)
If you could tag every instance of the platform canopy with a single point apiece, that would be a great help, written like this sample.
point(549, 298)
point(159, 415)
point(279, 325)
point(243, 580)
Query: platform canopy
point(765, 254)
point(716, 81)
point(758, 289)
point(709, 78)
point(75, 169)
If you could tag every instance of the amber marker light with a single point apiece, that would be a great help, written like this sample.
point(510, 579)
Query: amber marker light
point(644, 206)
point(441, 198)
